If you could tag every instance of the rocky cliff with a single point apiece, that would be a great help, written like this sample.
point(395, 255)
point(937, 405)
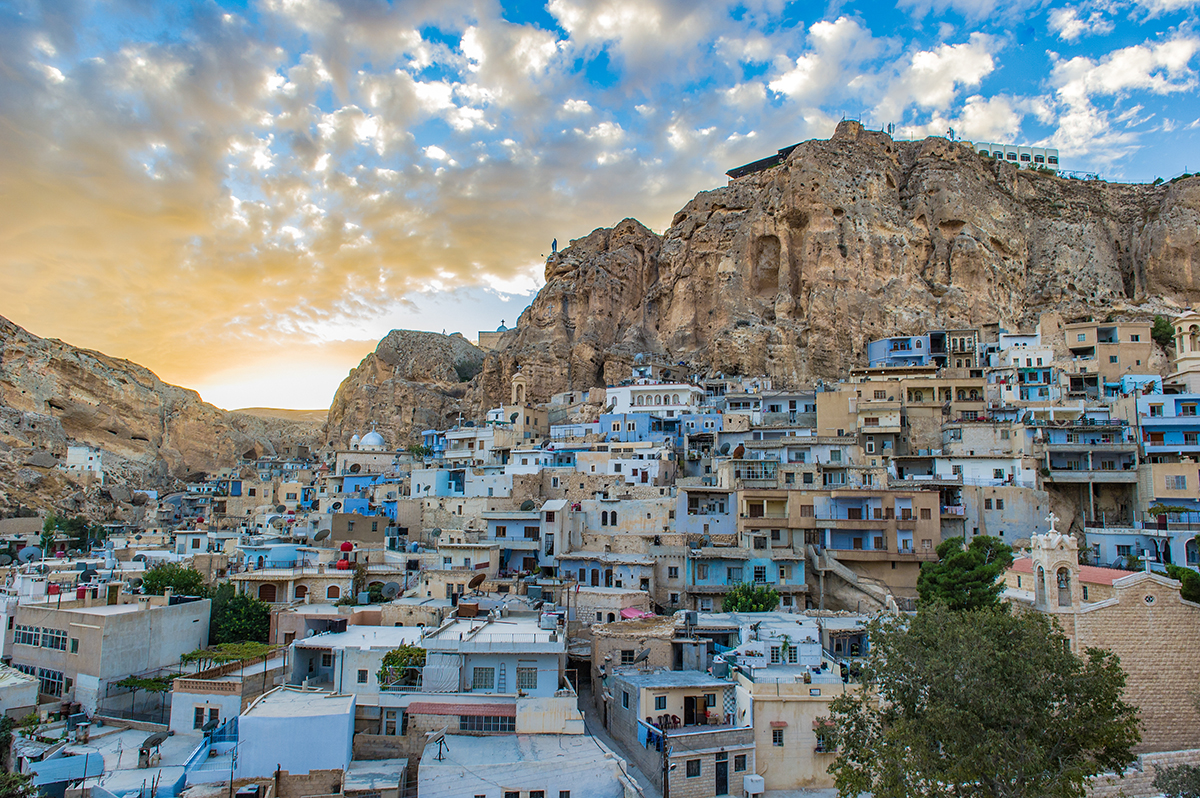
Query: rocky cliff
point(792, 270)
point(52, 393)
point(413, 381)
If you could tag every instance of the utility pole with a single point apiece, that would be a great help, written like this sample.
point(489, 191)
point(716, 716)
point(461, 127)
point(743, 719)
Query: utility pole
point(666, 764)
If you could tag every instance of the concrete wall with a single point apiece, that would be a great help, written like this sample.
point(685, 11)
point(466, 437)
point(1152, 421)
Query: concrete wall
point(297, 744)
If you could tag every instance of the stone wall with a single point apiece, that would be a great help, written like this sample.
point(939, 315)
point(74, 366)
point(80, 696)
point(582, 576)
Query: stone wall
point(1138, 780)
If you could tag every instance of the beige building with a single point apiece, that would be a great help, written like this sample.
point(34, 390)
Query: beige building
point(1111, 350)
point(1186, 374)
point(1140, 617)
point(77, 648)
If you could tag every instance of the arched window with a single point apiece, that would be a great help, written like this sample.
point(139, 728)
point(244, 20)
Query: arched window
point(1064, 587)
point(675, 399)
point(301, 591)
point(612, 519)
point(611, 617)
point(266, 593)
point(333, 592)
point(261, 561)
point(1193, 338)
point(604, 518)
point(918, 396)
point(640, 400)
point(1040, 587)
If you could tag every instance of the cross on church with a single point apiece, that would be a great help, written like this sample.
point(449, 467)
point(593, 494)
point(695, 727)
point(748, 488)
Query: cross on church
point(1052, 519)
point(1146, 558)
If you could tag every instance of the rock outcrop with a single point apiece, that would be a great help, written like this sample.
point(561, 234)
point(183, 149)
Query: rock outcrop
point(790, 271)
point(412, 381)
point(52, 394)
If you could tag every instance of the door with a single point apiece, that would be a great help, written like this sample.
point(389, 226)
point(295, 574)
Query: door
point(722, 778)
point(689, 710)
point(645, 476)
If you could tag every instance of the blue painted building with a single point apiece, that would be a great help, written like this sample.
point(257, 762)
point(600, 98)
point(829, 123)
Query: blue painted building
point(712, 571)
point(901, 350)
point(1170, 424)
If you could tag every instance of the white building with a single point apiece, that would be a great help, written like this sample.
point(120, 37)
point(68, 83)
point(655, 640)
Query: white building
point(1024, 157)
point(667, 399)
point(83, 460)
point(506, 655)
point(295, 730)
point(349, 661)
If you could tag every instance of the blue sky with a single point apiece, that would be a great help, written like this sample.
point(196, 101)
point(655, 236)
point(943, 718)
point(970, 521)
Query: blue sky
point(246, 196)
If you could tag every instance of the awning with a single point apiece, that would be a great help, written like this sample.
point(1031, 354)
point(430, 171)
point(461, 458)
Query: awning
point(633, 612)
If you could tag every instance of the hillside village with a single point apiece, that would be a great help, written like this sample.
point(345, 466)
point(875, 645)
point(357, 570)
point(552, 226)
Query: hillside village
point(540, 598)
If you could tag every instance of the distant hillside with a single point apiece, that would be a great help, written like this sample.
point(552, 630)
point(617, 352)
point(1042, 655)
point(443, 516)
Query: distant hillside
point(313, 416)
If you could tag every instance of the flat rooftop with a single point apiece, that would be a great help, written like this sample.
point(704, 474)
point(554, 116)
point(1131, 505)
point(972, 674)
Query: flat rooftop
point(294, 702)
point(364, 637)
point(520, 762)
point(664, 679)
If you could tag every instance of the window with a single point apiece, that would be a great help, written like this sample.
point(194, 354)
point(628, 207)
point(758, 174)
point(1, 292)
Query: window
point(291, 497)
point(53, 638)
point(926, 514)
point(1187, 410)
point(198, 718)
point(871, 421)
point(660, 702)
point(195, 543)
point(785, 572)
point(956, 470)
point(1085, 596)
point(1112, 358)
point(550, 516)
point(777, 737)
point(1125, 551)
point(693, 768)
point(51, 682)
point(672, 572)
point(987, 504)
point(674, 598)
point(702, 570)
point(511, 794)
point(1156, 411)
point(526, 678)
point(326, 660)
point(26, 635)
point(333, 592)
point(625, 699)
point(881, 394)
point(483, 679)
point(775, 655)
point(710, 699)
point(564, 794)
point(999, 504)
point(74, 645)
point(537, 794)
point(362, 675)
point(1081, 337)
point(486, 723)
point(501, 531)
point(706, 605)
point(733, 575)
point(1134, 338)
point(1176, 482)
point(739, 763)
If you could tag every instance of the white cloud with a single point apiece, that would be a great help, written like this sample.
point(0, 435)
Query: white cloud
point(435, 153)
point(577, 107)
point(836, 51)
point(1069, 26)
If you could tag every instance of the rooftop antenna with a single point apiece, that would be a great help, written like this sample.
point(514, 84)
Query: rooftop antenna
point(642, 656)
point(439, 737)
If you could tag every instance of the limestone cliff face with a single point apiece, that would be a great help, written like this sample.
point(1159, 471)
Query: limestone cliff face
point(791, 271)
point(52, 393)
point(412, 381)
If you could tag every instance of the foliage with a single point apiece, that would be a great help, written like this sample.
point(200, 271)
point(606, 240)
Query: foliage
point(224, 653)
point(77, 529)
point(1178, 782)
point(151, 684)
point(397, 663)
point(17, 785)
point(965, 579)
point(7, 725)
point(1168, 509)
point(980, 703)
point(746, 597)
point(419, 450)
point(1163, 332)
point(237, 617)
point(1157, 181)
point(183, 581)
point(29, 724)
point(1190, 582)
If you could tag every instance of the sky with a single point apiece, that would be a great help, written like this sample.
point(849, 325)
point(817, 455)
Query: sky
point(246, 196)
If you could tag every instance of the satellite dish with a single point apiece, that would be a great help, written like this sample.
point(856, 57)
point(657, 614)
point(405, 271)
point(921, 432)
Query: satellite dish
point(139, 558)
point(135, 582)
point(642, 656)
point(391, 590)
point(476, 581)
point(6, 559)
point(88, 576)
point(337, 505)
point(527, 505)
point(280, 508)
point(321, 534)
point(29, 554)
point(277, 523)
point(513, 418)
point(725, 448)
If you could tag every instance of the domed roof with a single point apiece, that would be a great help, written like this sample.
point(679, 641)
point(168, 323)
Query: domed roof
point(373, 438)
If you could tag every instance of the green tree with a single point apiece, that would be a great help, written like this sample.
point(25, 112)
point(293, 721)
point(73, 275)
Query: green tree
point(1178, 782)
point(238, 618)
point(965, 579)
point(1163, 332)
point(182, 580)
point(1189, 579)
point(746, 597)
point(398, 664)
point(982, 703)
point(17, 785)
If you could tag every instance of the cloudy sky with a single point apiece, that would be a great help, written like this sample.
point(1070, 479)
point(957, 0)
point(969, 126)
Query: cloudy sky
point(246, 196)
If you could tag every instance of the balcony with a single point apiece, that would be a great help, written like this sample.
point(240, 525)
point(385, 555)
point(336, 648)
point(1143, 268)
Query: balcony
point(1075, 476)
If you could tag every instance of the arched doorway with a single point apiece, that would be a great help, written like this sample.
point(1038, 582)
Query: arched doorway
point(1063, 579)
point(334, 592)
point(301, 591)
point(266, 593)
